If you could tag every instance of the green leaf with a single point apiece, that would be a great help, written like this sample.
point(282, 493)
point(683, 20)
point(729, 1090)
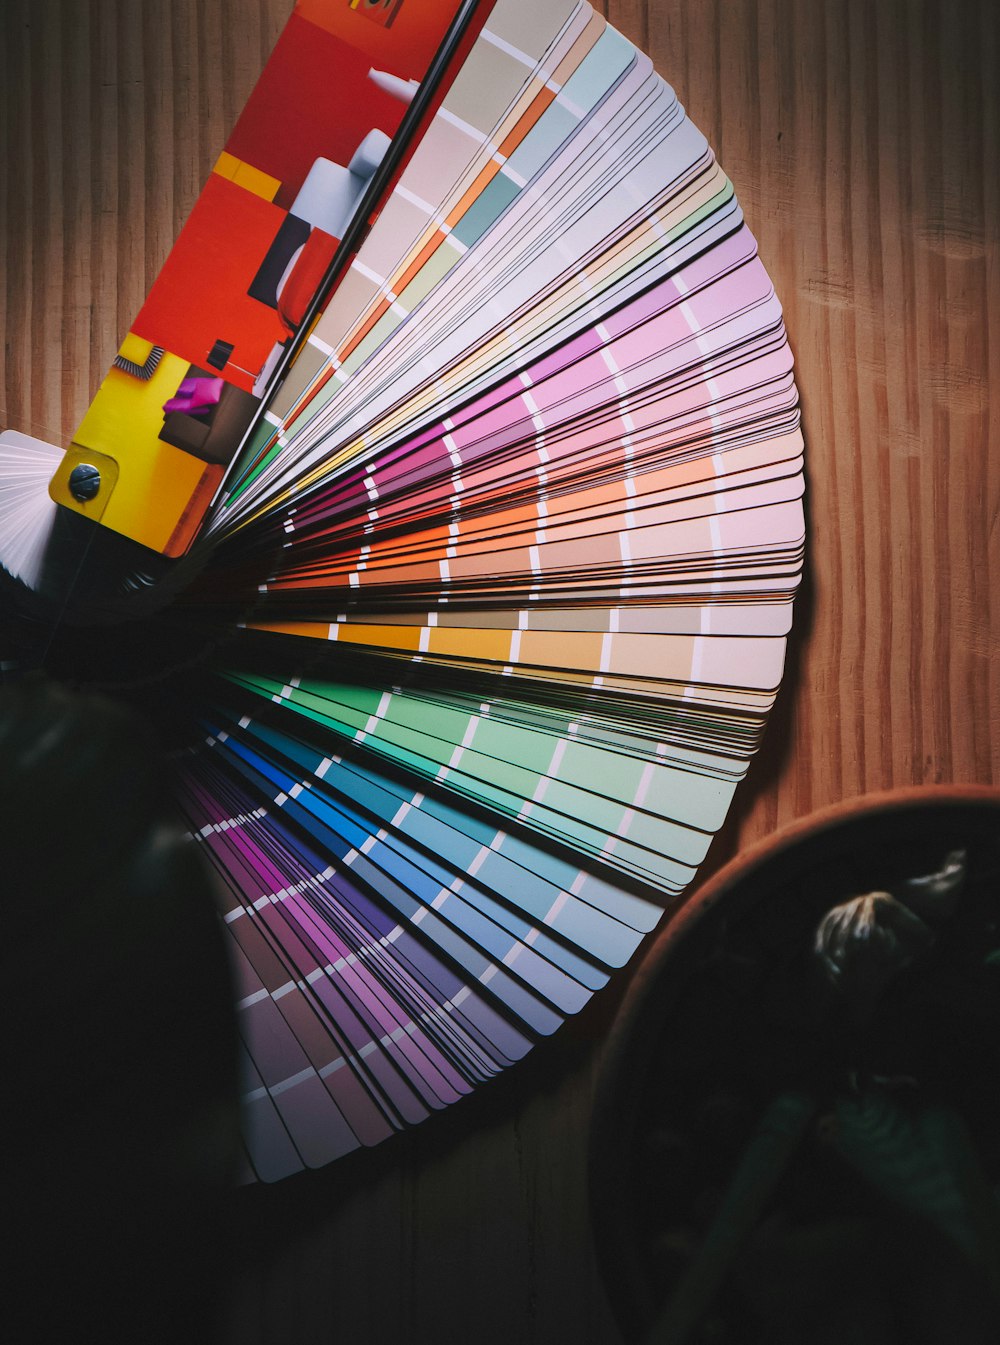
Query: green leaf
point(765, 1161)
point(921, 1158)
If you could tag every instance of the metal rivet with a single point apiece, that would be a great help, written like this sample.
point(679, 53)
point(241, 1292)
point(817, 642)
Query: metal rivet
point(84, 482)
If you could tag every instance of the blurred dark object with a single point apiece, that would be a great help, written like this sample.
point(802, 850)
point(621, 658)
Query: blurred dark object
point(119, 1040)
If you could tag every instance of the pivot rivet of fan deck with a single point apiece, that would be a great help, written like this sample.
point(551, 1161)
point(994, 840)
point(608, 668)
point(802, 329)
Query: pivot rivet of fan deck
point(84, 482)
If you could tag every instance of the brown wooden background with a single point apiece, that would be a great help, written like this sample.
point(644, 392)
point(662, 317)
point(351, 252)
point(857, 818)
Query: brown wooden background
point(864, 142)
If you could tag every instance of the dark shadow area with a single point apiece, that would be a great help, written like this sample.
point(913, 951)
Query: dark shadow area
point(119, 1039)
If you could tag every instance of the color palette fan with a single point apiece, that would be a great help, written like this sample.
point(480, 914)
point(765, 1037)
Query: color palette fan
point(483, 511)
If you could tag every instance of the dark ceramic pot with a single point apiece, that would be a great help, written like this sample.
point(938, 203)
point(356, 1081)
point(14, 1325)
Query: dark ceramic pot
point(722, 1015)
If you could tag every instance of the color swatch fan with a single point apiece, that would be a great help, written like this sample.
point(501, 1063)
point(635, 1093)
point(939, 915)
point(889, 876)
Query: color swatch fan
point(482, 509)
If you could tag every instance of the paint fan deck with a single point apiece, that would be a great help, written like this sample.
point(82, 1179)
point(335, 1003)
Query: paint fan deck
point(522, 524)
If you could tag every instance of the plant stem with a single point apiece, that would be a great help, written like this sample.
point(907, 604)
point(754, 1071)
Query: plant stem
point(765, 1161)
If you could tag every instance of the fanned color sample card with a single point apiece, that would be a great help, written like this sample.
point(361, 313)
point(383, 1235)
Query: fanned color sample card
point(470, 507)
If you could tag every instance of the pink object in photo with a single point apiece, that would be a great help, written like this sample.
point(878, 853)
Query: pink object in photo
point(195, 395)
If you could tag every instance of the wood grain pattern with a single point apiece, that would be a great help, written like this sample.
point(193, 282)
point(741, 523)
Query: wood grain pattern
point(864, 142)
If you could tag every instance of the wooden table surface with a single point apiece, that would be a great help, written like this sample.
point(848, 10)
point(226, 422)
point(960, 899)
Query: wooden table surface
point(862, 139)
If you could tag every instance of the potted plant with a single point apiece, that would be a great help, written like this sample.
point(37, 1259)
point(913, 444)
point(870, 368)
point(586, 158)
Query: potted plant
point(796, 1132)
